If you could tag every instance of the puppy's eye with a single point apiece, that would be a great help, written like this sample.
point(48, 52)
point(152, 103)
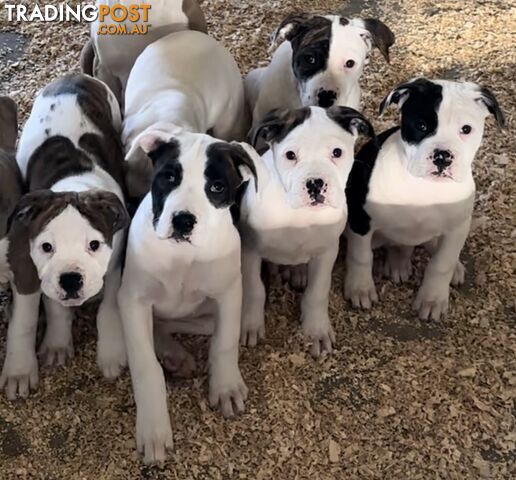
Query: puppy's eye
point(421, 126)
point(47, 247)
point(337, 153)
point(308, 58)
point(466, 129)
point(217, 187)
point(94, 245)
point(350, 63)
point(291, 155)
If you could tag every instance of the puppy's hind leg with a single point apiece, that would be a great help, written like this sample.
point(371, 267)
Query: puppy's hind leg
point(398, 264)
point(111, 351)
point(173, 356)
point(57, 345)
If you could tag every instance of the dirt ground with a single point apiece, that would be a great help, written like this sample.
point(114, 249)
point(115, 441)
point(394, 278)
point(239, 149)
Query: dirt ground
point(400, 398)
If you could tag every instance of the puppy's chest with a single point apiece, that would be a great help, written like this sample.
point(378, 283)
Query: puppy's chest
point(293, 245)
point(414, 225)
point(187, 284)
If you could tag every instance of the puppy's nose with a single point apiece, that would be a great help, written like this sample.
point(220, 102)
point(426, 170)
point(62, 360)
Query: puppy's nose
point(442, 158)
point(326, 98)
point(183, 222)
point(71, 282)
point(314, 186)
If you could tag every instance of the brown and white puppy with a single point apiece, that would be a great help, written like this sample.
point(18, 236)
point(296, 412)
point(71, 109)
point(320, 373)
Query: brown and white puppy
point(111, 57)
point(65, 238)
point(10, 178)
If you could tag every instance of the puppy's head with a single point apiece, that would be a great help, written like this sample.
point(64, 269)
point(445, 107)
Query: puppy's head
point(313, 152)
point(196, 181)
point(63, 242)
point(329, 53)
point(442, 124)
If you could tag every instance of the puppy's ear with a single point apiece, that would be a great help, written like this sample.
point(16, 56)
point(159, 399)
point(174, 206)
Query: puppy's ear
point(8, 124)
point(29, 208)
point(150, 139)
point(352, 121)
point(379, 35)
point(105, 212)
point(276, 125)
point(400, 94)
point(242, 158)
point(289, 28)
point(488, 99)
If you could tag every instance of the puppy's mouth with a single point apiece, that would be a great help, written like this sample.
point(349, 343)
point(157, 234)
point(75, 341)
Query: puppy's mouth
point(181, 238)
point(441, 175)
point(72, 301)
point(317, 200)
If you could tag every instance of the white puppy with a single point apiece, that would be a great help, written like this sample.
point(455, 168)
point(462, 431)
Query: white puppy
point(66, 236)
point(110, 57)
point(298, 212)
point(320, 63)
point(182, 273)
point(187, 79)
point(416, 187)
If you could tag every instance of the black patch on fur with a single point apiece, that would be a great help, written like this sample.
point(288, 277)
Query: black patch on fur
point(276, 125)
point(357, 187)
point(351, 121)
point(168, 174)
point(56, 158)
point(490, 101)
point(381, 35)
point(222, 169)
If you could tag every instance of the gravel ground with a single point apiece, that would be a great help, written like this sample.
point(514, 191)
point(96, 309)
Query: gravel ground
point(399, 399)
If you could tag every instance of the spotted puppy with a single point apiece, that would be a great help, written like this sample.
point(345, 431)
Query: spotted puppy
point(187, 79)
point(10, 179)
point(66, 235)
point(416, 187)
point(320, 63)
point(183, 275)
point(298, 211)
point(110, 58)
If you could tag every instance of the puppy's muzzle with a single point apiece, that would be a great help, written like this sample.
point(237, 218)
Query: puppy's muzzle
point(71, 283)
point(442, 159)
point(183, 224)
point(316, 188)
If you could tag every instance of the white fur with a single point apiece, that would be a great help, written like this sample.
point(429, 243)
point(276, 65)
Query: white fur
point(5, 272)
point(278, 227)
point(275, 86)
point(409, 206)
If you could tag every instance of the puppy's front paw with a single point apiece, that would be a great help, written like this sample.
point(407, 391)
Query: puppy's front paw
point(111, 356)
point(432, 301)
point(153, 435)
point(360, 289)
point(252, 329)
point(19, 375)
point(320, 334)
point(459, 275)
point(228, 392)
point(397, 267)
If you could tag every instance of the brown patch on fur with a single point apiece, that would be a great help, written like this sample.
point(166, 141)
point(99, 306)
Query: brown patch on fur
point(8, 124)
point(381, 35)
point(36, 210)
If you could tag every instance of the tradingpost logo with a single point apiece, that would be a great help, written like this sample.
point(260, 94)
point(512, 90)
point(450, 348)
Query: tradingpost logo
point(116, 19)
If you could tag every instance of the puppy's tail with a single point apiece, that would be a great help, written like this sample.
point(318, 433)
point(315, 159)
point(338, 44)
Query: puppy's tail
point(87, 58)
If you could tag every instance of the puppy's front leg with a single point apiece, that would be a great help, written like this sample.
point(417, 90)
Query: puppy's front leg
point(20, 371)
point(153, 430)
point(111, 353)
point(57, 343)
point(315, 319)
point(433, 296)
point(227, 388)
point(359, 285)
point(253, 305)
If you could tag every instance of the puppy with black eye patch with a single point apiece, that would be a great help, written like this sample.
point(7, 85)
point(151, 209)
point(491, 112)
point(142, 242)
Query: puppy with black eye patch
point(298, 211)
point(416, 187)
point(320, 62)
point(183, 275)
point(65, 237)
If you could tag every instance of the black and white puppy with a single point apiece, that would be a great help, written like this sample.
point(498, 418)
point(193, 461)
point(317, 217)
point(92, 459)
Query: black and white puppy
point(415, 188)
point(182, 275)
point(320, 63)
point(298, 211)
point(11, 187)
point(65, 237)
